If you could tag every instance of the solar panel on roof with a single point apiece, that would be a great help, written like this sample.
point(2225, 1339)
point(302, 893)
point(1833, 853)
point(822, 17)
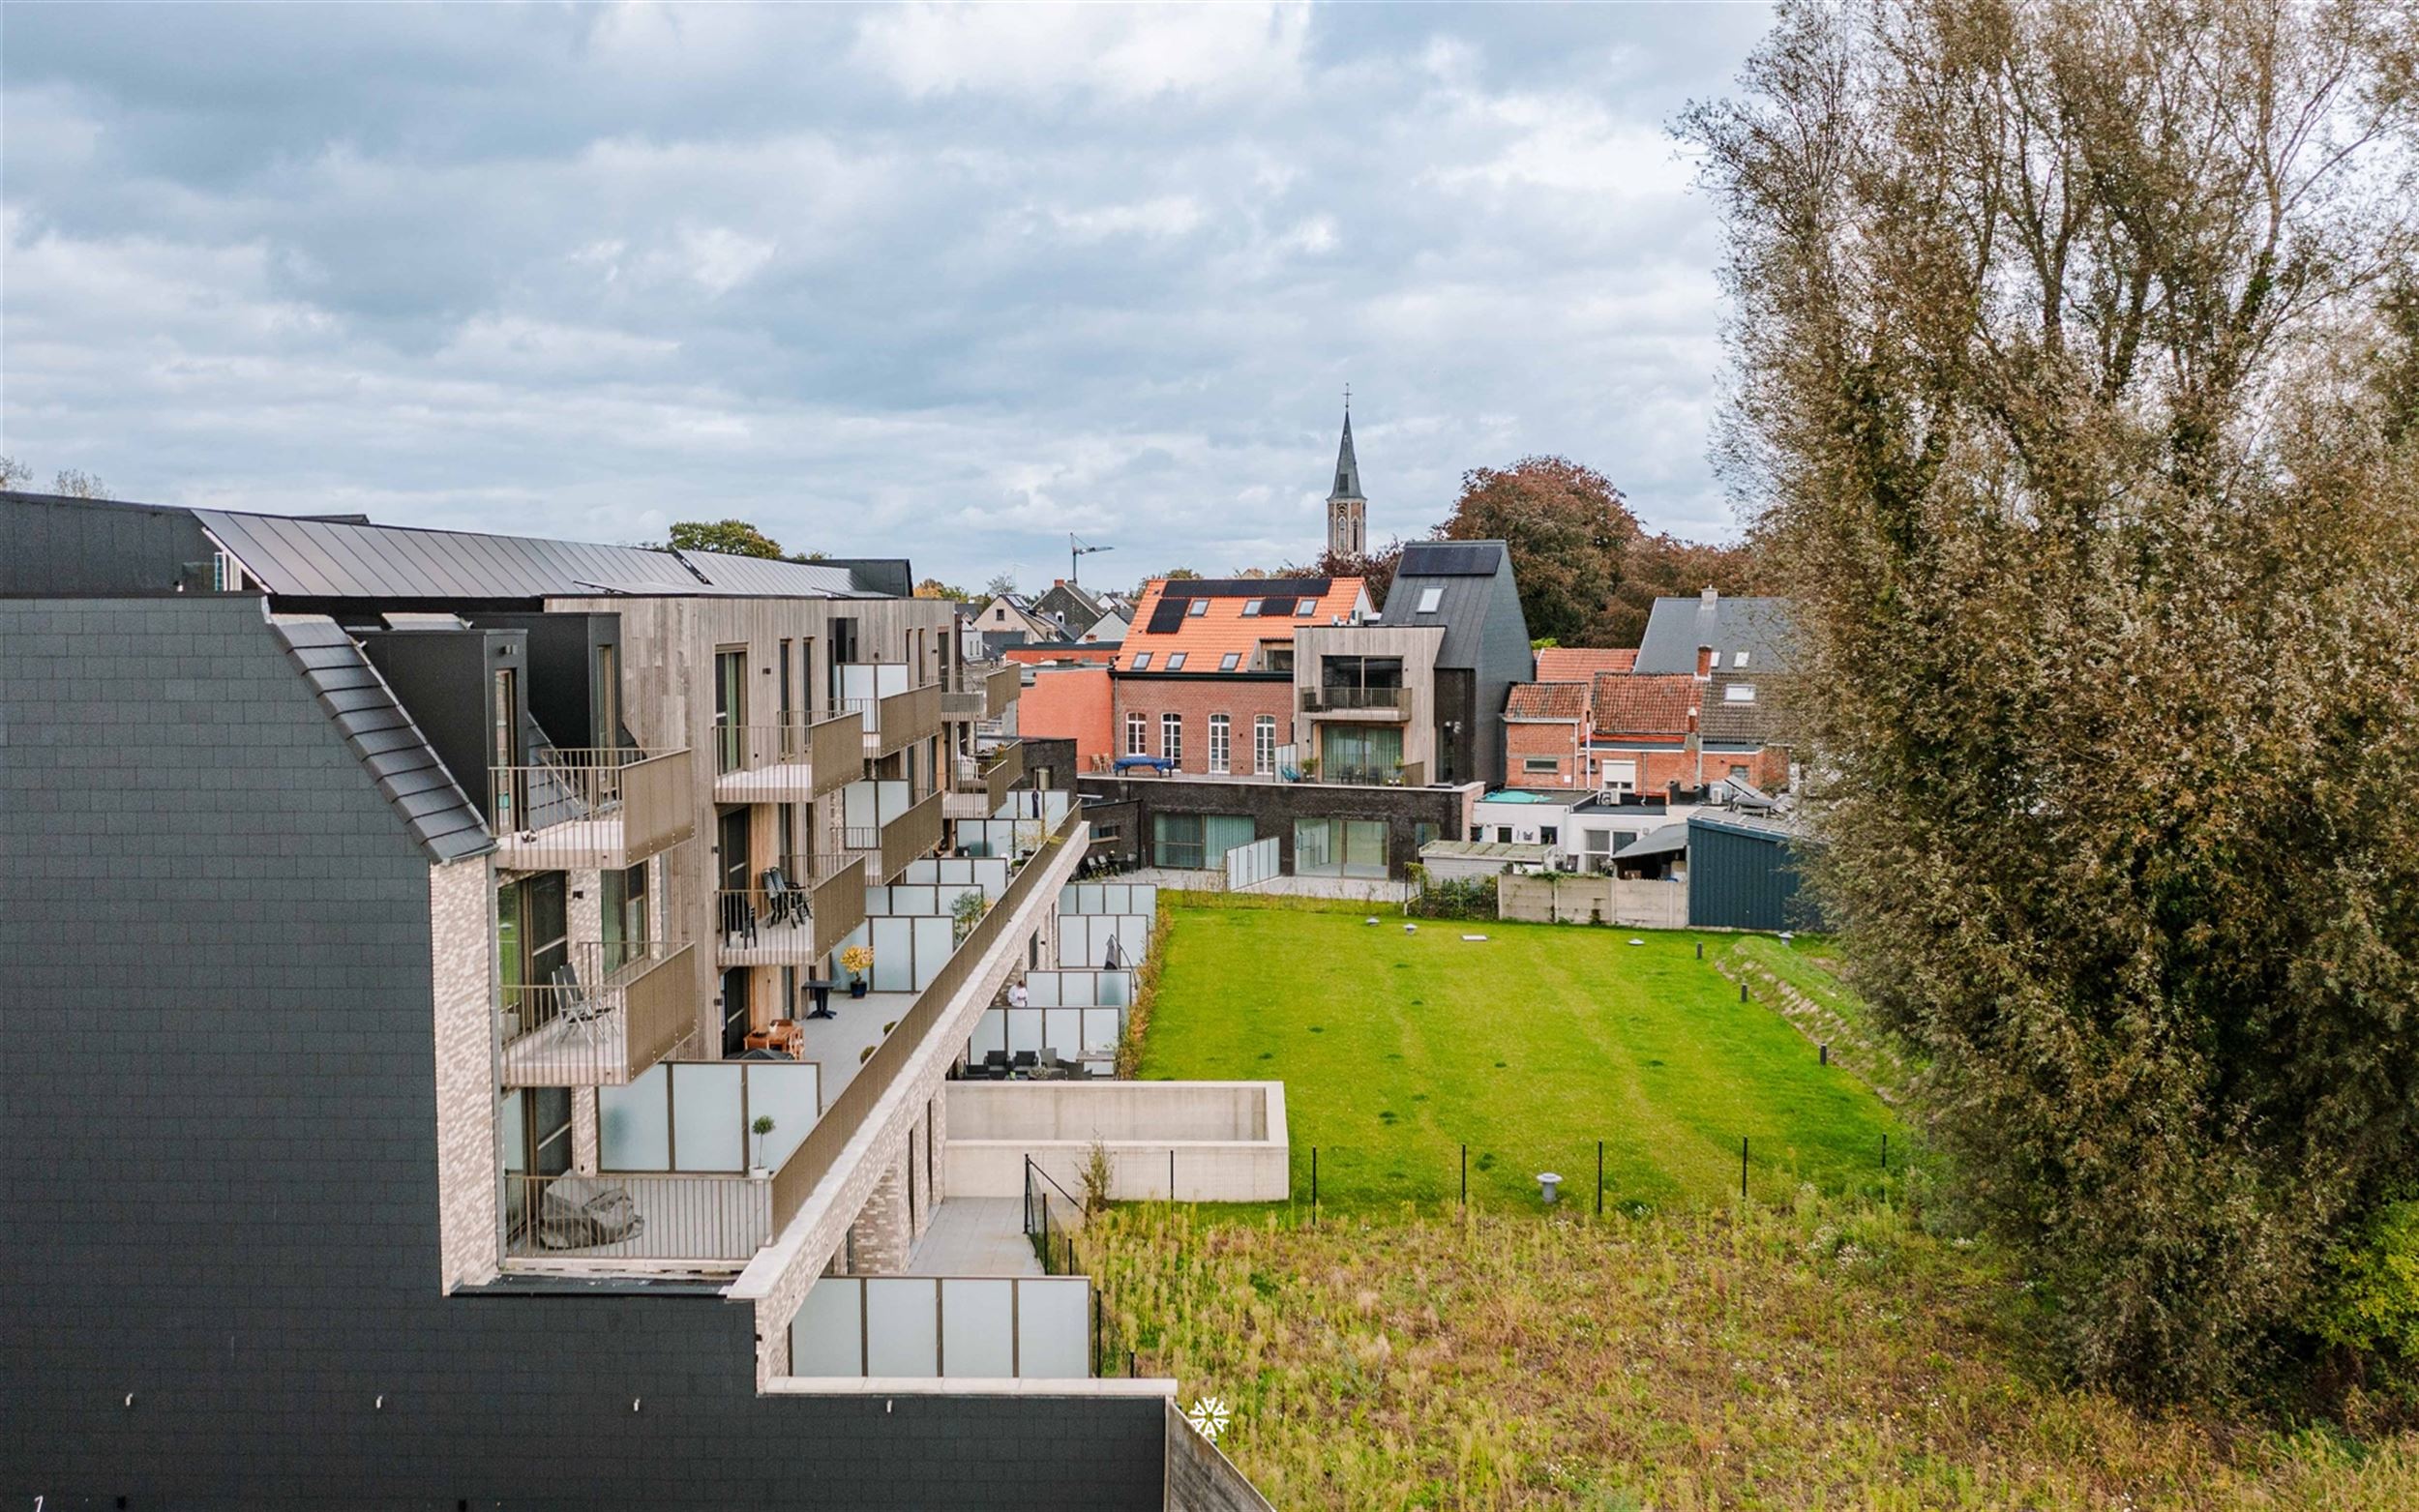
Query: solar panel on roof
point(1167, 616)
point(1451, 559)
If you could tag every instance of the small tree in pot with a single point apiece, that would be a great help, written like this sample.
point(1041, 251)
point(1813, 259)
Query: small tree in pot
point(856, 960)
point(762, 1126)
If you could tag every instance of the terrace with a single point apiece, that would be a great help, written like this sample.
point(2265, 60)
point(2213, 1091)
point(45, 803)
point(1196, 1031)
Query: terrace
point(606, 1014)
point(788, 763)
point(897, 711)
point(799, 911)
point(589, 809)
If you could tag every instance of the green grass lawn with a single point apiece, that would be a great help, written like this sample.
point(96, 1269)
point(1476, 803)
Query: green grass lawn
point(1396, 1050)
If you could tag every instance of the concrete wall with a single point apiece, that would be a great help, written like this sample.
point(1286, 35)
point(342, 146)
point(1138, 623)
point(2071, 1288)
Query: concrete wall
point(1194, 1142)
point(1201, 1478)
point(1583, 900)
point(219, 1146)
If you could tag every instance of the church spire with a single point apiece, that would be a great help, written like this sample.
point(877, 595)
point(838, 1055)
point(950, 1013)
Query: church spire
point(1347, 511)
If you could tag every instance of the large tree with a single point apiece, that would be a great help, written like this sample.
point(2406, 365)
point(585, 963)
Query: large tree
point(731, 537)
point(2062, 364)
point(1569, 534)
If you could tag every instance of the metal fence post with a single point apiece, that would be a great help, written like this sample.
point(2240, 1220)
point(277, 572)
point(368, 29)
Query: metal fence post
point(1314, 1186)
point(1465, 1178)
point(1171, 1175)
point(1600, 1179)
point(1885, 1152)
point(1743, 1168)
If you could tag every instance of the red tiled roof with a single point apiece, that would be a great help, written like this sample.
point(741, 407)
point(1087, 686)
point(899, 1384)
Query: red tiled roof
point(1579, 664)
point(1222, 627)
point(1545, 700)
point(1626, 704)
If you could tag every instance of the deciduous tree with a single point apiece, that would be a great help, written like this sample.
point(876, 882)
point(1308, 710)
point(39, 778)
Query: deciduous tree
point(731, 537)
point(2063, 364)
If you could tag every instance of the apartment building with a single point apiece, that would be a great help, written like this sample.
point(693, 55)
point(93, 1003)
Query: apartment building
point(1204, 679)
point(436, 1078)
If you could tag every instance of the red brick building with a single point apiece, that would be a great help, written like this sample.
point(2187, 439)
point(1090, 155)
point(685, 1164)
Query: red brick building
point(1545, 734)
point(1205, 675)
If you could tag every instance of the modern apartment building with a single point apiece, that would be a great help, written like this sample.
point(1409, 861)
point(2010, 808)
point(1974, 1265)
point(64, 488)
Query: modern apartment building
point(433, 1078)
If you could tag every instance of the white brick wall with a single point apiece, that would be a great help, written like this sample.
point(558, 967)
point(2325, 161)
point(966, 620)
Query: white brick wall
point(462, 964)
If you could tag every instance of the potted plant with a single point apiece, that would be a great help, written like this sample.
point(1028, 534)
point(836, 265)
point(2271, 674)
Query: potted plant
point(762, 1126)
point(968, 911)
point(856, 960)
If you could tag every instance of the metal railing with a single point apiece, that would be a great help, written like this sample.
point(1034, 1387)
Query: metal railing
point(607, 1012)
point(585, 809)
point(796, 912)
point(904, 718)
point(887, 849)
point(788, 763)
point(1407, 774)
point(819, 1150)
point(991, 778)
point(707, 1219)
point(1323, 700)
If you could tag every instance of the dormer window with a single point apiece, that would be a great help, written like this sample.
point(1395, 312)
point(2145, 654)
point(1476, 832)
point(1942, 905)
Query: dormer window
point(1430, 598)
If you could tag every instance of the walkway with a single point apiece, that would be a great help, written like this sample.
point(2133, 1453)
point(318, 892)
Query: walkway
point(976, 1237)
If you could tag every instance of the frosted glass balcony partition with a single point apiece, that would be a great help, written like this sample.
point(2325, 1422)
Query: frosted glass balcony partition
point(694, 1115)
point(909, 949)
point(988, 872)
point(1104, 940)
point(1108, 898)
point(930, 1327)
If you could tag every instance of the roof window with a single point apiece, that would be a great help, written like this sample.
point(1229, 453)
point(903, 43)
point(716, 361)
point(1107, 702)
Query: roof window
point(1176, 664)
point(1430, 598)
point(1229, 662)
point(1251, 608)
point(1141, 662)
point(1307, 606)
point(1196, 608)
point(1737, 659)
point(1739, 692)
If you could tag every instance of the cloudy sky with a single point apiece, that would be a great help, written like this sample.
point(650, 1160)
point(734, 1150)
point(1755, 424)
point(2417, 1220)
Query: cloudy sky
point(942, 282)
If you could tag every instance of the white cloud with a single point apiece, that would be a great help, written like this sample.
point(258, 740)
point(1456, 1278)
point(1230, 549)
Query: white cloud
point(1128, 54)
point(1168, 215)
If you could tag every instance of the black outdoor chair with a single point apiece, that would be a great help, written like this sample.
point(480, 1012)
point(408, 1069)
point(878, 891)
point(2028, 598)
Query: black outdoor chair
point(995, 1064)
point(783, 903)
point(1026, 1060)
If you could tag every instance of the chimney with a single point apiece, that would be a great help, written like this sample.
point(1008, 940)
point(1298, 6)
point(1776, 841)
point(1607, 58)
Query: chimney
point(1709, 597)
point(1705, 659)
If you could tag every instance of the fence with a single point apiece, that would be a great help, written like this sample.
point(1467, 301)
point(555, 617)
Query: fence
point(1052, 1215)
point(1595, 1177)
point(582, 809)
point(1632, 902)
point(701, 1219)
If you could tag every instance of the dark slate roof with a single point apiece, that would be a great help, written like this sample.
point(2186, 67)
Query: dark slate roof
point(390, 746)
point(1347, 467)
point(1463, 572)
point(298, 557)
point(1676, 626)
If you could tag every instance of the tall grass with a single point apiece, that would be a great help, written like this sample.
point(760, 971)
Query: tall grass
point(1818, 1355)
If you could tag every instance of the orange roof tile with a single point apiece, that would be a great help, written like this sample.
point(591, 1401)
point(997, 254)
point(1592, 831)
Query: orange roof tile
point(1626, 704)
point(1221, 629)
point(1579, 664)
point(1545, 700)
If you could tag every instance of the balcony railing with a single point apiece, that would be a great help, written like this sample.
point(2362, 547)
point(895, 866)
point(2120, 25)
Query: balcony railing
point(983, 689)
point(607, 1012)
point(701, 1219)
point(990, 776)
point(1355, 700)
point(787, 763)
point(797, 912)
point(585, 809)
point(1407, 774)
point(903, 719)
point(846, 1113)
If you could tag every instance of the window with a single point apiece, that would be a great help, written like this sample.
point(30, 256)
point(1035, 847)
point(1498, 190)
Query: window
point(1737, 659)
point(1172, 737)
point(731, 697)
point(623, 915)
point(1264, 744)
point(1739, 692)
point(1134, 737)
point(1599, 842)
point(1000, 616)
point(1307, 606)
point(1502, 834)
point(1545, 766)
point(1276, 656)
point(1430, 598)
point(1547, 834)
point(1192, 842)
point(1221, 741)
point(1738, 774)
point(1197, 608)
point(1231, 661)
point(1339, 848)
point(1251, 609)
point(1621, 777)
point(1141, 662)
point(1175, 663)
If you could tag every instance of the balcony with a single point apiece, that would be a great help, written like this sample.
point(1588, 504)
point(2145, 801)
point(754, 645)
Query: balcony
point(888, 847)
point(590, 810)
point(797, 914)
point(609, 1012)
point(1407, 774)
point(1356, 703)
point(787, 763)
point(982, 690)
point(980, 785)
point(668, 1218)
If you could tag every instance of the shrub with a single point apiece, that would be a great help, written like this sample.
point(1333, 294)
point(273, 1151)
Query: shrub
point(2371, 1299)
point(1462, 898)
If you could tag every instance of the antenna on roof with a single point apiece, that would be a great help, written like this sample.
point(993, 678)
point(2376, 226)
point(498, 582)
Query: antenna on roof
point(1076, 552)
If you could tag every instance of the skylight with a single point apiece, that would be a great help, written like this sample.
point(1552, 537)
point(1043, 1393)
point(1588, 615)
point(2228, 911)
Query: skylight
point(1229, 662)
point(1739, 692)
point(1175, 663)
point(1197, 608)
point(1430, 598)
point(1251, 606)
point(1307, 606)
point(1141, 662)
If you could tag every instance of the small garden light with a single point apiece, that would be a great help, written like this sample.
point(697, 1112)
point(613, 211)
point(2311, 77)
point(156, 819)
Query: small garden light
point(1548, 1183)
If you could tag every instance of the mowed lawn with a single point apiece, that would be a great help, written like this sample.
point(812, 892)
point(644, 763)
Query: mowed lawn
point(1529, 1047)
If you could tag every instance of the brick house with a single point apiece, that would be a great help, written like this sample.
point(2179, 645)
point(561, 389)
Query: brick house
point(1545, 735)
point(1205, 677)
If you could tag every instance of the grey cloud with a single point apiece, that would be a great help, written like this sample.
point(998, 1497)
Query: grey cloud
point(591, 271)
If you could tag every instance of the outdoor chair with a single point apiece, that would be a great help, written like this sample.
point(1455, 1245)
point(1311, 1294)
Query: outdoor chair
point(1025, 1060)
point(995, 1064)
point(783, 903)
point(575, 1006)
